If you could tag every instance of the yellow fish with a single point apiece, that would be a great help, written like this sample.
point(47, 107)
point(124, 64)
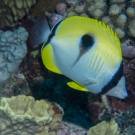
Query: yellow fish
point(88, 52)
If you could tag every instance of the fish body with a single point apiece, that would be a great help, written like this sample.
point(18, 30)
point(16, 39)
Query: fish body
point(88, 52)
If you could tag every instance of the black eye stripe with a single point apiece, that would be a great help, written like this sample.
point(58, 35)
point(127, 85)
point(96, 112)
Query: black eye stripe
point(87, 41)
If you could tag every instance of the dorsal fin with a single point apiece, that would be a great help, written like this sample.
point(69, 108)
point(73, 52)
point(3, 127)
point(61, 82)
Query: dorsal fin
point(88, 25)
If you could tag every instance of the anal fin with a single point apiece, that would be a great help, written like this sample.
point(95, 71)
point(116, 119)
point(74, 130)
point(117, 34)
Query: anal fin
point(76, 86)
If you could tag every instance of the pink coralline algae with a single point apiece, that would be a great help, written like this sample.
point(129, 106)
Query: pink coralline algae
point(54, 19)
point(128, 49)
point(63, 132)
point(61, 8)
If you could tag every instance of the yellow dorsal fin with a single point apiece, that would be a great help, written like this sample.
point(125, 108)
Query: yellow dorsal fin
point(82, 25)
point(48, 59)
point(76, 86)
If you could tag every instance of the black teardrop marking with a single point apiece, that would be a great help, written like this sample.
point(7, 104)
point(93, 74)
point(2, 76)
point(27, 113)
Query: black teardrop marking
point(87, 41)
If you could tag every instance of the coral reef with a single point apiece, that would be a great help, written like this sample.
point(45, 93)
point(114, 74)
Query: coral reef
point(129, 72)
point(13, 10)
point(118, 14)
point(128, 48)
point(97, 111)
point(33, 69)
point(12, 50)
point(16, 85)
point(54, 19)
point(53, 89)
point(43, 5)
point(61, 8)
point(56, 90)
point(104, 128)
point(23, 115)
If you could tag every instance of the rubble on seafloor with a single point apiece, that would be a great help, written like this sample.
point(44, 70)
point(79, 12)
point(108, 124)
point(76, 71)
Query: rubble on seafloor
point(126, 122)
point(68, 128)
point(107, 127)
point(16, 85)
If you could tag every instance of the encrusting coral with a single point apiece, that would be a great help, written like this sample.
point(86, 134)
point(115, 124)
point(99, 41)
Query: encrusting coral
point(118, 14)
point(105, 128)
point(22, 115)
point(13, 10)
point(12, 51)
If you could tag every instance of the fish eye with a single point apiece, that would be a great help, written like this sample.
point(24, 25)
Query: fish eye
point(87, 41)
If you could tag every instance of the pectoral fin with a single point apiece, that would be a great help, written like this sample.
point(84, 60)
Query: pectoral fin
point(76, 86)
point(90, 81)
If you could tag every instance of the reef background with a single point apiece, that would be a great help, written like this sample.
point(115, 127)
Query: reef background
point(34, 79)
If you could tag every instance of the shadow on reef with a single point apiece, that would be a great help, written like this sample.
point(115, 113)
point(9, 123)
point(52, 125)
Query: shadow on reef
point(72, 101)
